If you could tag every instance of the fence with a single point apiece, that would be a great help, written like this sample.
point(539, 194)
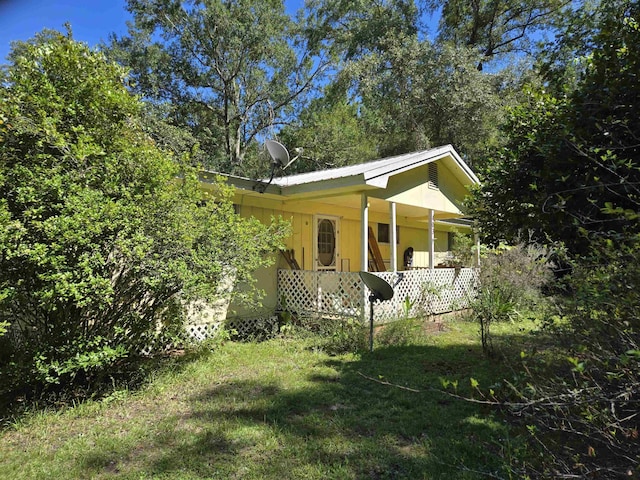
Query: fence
point(416, 293)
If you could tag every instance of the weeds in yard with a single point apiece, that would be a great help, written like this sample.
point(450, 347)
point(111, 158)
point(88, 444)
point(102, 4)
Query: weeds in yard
point(280, 409)
point(401, 332)
point(333, 335)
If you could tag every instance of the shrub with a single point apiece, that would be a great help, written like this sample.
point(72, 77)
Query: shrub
point(510, 282)
point(105, 237)
point(585, 415)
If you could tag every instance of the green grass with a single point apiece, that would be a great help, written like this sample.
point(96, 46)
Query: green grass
point(281, 410)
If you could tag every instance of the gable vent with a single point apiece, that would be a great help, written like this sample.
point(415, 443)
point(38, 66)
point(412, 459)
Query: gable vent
point(433, 175)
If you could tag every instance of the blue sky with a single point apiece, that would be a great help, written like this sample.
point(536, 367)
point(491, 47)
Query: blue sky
point(91, 20)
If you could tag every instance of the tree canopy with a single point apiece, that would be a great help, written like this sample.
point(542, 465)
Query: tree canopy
point(497, 27)
point(227, 75)
point(226, 71)
point(570, 166)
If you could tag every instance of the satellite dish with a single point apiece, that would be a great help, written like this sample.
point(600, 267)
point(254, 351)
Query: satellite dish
point(380, 290)
point(280, 159)
point(278, 152)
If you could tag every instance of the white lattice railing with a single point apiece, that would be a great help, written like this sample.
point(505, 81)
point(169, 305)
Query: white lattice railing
point(417, 293)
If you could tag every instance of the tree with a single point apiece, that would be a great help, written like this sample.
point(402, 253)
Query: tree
point(412, 93)
point(350, 30)
point(226, 70)
point(106, 237)
point(571, 172)
point(496, 27)
point(330, 135)
point(570, 167)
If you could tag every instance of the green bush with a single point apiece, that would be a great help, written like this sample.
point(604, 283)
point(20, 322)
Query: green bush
point(105, 238)
point(585, 415)
point(510, 283)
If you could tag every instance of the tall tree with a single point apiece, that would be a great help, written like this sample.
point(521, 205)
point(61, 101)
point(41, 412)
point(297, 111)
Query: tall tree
point(496, 27)
point(572, 163)
point(415, 93)
point(227, 70)
point(330, 134)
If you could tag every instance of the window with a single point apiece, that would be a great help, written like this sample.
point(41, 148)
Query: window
point(433, 175)
point(384, 235)
point(326, 242)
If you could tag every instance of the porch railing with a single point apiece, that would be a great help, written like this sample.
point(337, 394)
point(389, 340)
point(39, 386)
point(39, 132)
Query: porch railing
point(418, 293)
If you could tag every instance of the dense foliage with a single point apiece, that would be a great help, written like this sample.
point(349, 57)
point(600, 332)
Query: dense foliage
point(585, 413)
point(569, 172)
point(570, 166)
point(226, 75)
point(105, 238)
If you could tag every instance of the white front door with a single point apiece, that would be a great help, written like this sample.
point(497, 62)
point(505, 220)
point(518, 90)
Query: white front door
point(326, 246)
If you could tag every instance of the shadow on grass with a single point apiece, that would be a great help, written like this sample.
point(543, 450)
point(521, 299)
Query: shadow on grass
point(329, 421)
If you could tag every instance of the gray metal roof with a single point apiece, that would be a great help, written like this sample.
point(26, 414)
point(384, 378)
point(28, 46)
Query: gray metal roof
point(374, 174)
point(378, 168)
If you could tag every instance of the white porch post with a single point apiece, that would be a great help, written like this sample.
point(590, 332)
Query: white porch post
point(476, 237)
point(431, 242)
point(364, 232)
point(393, 238)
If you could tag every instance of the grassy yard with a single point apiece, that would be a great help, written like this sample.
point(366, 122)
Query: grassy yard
point(281, 409)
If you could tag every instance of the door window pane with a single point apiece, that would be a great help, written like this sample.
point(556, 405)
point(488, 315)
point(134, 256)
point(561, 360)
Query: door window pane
point(326, 242)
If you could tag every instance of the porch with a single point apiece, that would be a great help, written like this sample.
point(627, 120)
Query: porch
point(419, 292)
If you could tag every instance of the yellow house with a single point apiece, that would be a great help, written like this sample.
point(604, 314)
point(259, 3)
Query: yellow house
point(363, 217)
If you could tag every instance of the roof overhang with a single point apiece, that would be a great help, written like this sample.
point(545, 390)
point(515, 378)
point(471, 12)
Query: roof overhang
point(373, 175)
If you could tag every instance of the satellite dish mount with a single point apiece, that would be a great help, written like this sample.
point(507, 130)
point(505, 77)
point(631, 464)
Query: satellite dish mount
point(380, 290)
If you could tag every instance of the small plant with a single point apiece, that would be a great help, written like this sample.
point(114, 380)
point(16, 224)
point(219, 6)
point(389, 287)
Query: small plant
point(344, 335)
point(407, 305)
point(429, 293)
point(462, 251)
point(402, 332)
point(511, 280)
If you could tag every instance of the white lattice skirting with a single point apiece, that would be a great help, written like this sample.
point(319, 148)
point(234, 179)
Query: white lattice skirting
point(417, 294)
point(241, 328)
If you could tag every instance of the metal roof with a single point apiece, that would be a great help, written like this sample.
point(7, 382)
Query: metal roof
point(376, 169)
point(369, 175)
